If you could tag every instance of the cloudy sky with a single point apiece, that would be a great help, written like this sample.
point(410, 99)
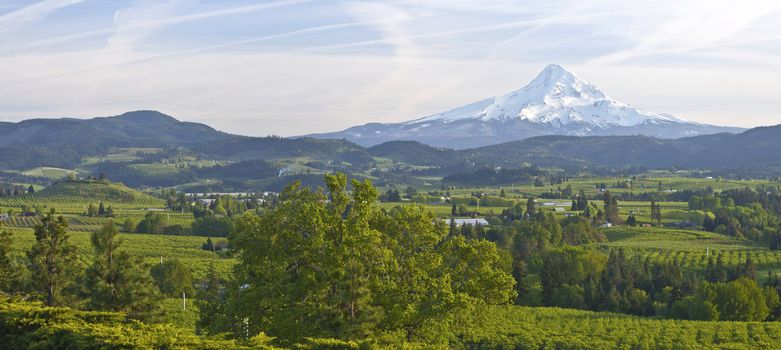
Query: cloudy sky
point(293, 67)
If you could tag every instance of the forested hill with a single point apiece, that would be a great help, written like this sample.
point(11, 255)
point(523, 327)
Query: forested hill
point(132, 129)
point(754, 148)
point(67, 142)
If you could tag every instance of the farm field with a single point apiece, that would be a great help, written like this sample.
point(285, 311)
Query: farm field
point(562, 327)
point(151, 248)
point(552, 328)
point(48, 172)
point(689, 247)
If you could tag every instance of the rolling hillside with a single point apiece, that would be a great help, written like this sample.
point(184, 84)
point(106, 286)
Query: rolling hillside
point(106, 191)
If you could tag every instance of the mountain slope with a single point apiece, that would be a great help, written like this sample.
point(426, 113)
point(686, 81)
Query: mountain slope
point(64, 142)
point(556, 102)
point(132, 129)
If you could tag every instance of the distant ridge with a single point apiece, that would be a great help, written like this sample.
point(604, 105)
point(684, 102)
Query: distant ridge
point(556, 102)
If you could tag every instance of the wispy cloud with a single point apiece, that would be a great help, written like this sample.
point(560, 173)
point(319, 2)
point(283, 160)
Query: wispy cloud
point(693, 25)
point(296, 66)
point(31, 14)
point(140, 25)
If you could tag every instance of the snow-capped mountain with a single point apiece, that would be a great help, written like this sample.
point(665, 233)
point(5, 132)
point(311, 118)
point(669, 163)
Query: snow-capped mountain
point(556, 102)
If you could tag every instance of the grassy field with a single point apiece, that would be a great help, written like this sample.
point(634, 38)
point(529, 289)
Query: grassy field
point(118, 155)
point(48, 172)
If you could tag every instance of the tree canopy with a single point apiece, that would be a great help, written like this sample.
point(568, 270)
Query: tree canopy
point(332, 264)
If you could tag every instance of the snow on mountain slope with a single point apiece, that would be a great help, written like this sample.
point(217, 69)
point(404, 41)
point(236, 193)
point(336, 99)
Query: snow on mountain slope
point(556, 96)
point(556, 102)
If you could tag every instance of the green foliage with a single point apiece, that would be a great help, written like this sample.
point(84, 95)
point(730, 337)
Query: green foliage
point(116, 281)
point(210, 225)
point(335, 266)
point(52, 260)
point(173, 278)
point(31, 326)
point(153, 223)
point(9, 270)
point(553, 328)
point(738, 300)
point(210, 298)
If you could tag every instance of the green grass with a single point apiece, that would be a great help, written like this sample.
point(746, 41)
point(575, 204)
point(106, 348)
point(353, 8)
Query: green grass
point(48, 172)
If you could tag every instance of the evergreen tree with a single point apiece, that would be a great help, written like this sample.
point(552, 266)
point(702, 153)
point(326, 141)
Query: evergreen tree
point(115, 281)
point(531, 207)
point(656, 212)
point(101, 210)
point(611, 209)
point(52, 260)
point(31, 189)
point(631, 220)
point(212, 307)
point(9, 270)
point(92, 211)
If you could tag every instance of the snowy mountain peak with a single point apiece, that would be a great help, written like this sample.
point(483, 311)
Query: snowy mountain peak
point(555, 81)
point(556, 97)
point(555, 102)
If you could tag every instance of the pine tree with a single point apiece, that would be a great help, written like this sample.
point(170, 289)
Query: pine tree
point(101, 210)
point(656, 213)
point(52, 260)
point(9, 273)
point(531, 207)
point(210, 299)
point(116, 281)
point(631, 220)
point(611, 209)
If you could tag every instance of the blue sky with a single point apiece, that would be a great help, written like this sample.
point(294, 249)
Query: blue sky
point(293, 67)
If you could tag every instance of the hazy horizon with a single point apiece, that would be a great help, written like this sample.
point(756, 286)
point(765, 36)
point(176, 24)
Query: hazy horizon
point(298, 67)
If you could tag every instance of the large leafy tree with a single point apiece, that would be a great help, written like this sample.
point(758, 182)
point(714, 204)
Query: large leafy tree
point(173, 278)
point(52, 260)
point(116, 281)
point(332, 264)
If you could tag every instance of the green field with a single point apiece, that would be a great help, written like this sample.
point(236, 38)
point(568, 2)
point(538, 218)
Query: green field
point(553, 328)
point(151, 248)
point(689, 247)
point(49, 172)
